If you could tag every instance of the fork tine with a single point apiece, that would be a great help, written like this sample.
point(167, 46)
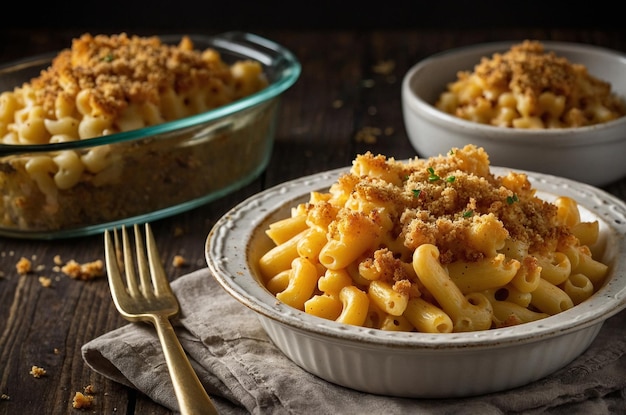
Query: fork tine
point(118, 289)
point(159, 278)
point(141, 306)
point(129, 264)
point(142, 264)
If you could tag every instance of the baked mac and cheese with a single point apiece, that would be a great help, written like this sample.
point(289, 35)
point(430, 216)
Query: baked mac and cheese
point(104, 85)
point(108, 84)
point(432, 245)
point(529, 87)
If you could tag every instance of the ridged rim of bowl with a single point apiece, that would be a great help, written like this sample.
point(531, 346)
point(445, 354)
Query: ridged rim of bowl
point(558, 137)
point(227, 247)
point(247, 45)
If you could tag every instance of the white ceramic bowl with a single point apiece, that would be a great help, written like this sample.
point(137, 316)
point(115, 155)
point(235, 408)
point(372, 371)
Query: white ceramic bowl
point(592, 154)
point(417, 364)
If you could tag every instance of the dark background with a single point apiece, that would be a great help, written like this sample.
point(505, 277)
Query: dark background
point(210, 16)
point(57, 22)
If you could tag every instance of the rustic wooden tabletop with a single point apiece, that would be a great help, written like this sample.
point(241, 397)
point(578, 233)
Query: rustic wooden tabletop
point(46, 326)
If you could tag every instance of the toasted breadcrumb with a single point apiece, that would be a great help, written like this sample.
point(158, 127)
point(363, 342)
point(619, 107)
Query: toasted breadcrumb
point(384, 67)
point(441, 200)
point(37, 371)
point(57, 260)
point(82, 401)
point(368, 135)
point(529, 72)
point(119, 83)
point(121, 69)
point(4, 397)
point(86, 271)
point(45, 281)
point(23, 266)
point(179, 261)
point(89, 390)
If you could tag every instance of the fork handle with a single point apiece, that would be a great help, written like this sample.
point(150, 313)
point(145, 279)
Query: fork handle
point(191, 396)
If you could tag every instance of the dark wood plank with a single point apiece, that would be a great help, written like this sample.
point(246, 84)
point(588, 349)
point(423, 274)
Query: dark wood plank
point(340, 94)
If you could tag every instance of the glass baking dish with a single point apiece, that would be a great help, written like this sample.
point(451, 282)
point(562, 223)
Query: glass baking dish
point(160, 170)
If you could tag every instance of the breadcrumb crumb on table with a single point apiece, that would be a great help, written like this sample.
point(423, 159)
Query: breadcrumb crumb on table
point(85, 272)
point(23, 266)
point(368, 135)
point(45, 281)
point(179, 261)
point(37, 371)
point(82, 401)
point(5, 397)
point(384, 67)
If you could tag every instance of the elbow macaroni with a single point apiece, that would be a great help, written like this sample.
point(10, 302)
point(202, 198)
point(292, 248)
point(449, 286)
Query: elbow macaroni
point(527, 88)
point(432, 245)
point(109, 84)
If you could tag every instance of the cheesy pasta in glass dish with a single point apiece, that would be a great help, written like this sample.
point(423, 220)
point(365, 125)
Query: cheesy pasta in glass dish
point(433, 245)
point(109, 84)
point(529, 87)
point(104, 85)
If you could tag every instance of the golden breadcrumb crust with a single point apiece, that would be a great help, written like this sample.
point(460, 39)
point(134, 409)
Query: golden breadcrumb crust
point(529, 70)
point(121, 69)
point(530, 87)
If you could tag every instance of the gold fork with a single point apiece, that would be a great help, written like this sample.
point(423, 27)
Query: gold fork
point(150, 299)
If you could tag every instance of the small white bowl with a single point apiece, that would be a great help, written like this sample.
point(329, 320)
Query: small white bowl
point(414, 364)
point(592, 154)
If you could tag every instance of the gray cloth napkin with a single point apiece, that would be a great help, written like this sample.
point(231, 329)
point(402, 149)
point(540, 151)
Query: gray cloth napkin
point(245, 373)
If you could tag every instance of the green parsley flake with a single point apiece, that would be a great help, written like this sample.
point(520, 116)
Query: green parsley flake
point(511, 199)
point(432, 177)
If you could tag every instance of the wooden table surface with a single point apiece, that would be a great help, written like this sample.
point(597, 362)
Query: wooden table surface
point(46, 327)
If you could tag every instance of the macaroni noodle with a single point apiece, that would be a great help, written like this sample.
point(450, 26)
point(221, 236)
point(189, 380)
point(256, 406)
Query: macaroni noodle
point(529, 88)
point(109, 84)
point(433, 245)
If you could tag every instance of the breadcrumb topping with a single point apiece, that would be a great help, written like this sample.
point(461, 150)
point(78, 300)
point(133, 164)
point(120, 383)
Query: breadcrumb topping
point(444, 200)
point(527, 69)
point(530, 87)
point(530, 70)
point(121, 69)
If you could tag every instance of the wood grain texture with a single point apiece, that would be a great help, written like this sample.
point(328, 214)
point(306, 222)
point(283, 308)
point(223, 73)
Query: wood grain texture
point(338, 95)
